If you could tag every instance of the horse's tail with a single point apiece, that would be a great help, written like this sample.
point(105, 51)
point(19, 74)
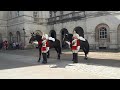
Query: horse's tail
point(58, 44)
point(87, 47)
point(60, 49)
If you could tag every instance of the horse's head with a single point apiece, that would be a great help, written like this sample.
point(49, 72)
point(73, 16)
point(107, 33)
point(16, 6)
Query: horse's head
point(68, 37)
point(35, 37)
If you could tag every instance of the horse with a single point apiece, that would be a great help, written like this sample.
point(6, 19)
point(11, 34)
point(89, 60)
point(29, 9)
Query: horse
point(84, 45)
point(52, 44)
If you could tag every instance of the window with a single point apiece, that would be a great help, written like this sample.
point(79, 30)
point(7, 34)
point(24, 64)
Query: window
point(61, 12)
point(103, 33)
point(54, 13)
point(10, 15)
point(50, 14)
point(18, 13)
point(18, 36)
point(36, 16)
point(10, 37)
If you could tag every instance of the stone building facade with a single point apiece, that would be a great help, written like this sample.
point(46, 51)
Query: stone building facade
point(16, 26)
point(100, 28)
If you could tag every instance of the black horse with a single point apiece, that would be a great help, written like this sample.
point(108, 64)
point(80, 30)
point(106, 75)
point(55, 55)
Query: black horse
point(84, 45)
point(52, 44)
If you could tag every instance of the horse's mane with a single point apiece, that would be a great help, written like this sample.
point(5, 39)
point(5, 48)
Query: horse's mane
point(38, 37)
point(70, 36)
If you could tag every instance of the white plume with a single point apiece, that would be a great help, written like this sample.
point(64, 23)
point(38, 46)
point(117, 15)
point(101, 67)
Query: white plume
point(53, 39)
point(81, 38)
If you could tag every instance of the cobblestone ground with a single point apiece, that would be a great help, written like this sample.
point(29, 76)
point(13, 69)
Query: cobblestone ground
point(101, 63)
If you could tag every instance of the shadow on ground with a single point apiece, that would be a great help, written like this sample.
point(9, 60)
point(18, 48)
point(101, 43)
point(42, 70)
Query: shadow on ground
point(66, 60)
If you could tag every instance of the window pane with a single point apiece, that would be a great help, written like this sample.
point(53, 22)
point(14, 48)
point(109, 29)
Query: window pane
point(103, 32)
point(105, 36)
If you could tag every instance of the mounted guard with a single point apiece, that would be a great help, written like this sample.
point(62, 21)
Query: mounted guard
point(75, 46)
point(45, 47)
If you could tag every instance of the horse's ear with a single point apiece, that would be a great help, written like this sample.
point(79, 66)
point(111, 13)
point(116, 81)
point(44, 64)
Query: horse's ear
point(31, 34)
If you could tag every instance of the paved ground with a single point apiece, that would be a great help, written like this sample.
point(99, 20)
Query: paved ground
point(23, 64)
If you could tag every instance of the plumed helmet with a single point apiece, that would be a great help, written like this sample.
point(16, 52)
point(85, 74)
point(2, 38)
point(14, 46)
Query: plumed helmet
point(37, 32)
point(75, 36)
point(44, 36)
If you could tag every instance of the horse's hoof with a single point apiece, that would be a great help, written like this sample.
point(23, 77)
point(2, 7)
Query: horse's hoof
point(58, 58)
point(75, 61)
point(44, 62)
point(38, 60)
point(48, 57)
point(85, 58)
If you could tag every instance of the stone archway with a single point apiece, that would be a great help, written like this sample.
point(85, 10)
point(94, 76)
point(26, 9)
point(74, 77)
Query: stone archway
point(10, 37)
point(118, 36)
point(0, 37)
point(102, 36)
point(18, 36)
point(79, 30)
point(38, 31)
point(53, 33)
point(63, 32)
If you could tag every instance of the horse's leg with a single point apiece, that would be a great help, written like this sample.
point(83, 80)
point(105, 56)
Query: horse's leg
point(57, 52)
point(86, 57)
point(84, 50)
point(60, 50)
point(39, 55)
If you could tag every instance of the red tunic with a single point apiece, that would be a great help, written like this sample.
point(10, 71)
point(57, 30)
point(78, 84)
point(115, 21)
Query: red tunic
point(44, 47)
point(74, 47)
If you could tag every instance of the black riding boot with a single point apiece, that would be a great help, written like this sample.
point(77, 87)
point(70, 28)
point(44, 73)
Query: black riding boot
point(48, 54)
point(75, 58)
point(44, 58)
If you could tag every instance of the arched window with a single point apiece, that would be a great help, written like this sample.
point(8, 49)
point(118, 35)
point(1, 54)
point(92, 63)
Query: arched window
point(18, 36)
point(18, 12)
point(50, 14)
point(103, 33)
point(36, 16)
point(10, 37)
point(55, 13)
point(0, 37)
point(63, 32)
point(61, 12)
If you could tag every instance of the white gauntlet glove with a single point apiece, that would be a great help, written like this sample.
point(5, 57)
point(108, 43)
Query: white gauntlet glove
point(47, 49)
point(78, 48)
point(68, 43)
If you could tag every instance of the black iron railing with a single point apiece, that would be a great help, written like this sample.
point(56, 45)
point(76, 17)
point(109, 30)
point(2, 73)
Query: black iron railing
point(67, 17)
